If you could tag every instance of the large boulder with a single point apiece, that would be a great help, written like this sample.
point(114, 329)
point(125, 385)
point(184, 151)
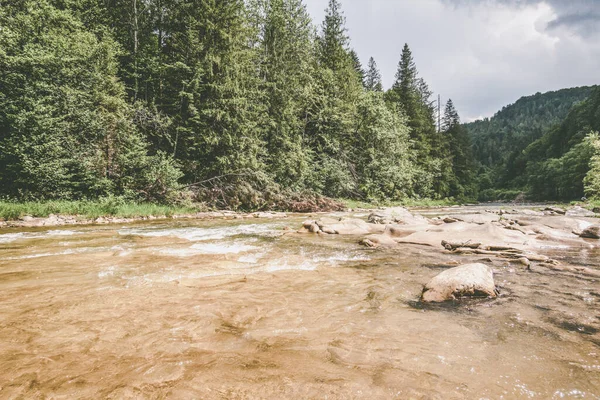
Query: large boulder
point(591, 232)
point(342, 226)
point(470, 280)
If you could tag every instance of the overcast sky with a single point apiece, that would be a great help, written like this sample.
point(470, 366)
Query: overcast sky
point(483, 54)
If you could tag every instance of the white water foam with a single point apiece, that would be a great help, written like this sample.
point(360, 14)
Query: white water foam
point(110, 271)
point(60, 253)
point(61, 233)
point(202, 234)
point(11, 237)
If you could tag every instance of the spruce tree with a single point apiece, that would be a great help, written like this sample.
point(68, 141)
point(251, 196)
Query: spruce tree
point(373, 77)
point(333, 107)
point(212, 88)
point(287, 63)
point(333, 41)
point(412, 95)
point(360, 72)
point(460, 151)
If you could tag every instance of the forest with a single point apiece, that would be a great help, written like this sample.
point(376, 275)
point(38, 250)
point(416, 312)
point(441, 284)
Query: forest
point(247, 104)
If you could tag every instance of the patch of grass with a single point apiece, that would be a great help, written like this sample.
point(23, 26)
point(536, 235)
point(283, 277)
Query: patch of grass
point(594, 203)
point(112, 207)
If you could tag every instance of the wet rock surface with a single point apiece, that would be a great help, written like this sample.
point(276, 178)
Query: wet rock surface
point(470, 280)
point(591, 232)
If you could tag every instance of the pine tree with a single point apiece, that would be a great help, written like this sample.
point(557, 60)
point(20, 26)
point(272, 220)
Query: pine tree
point(333, 41)
point(457, 137)
point(412, 95)
point(333, 107)
point(287, 63)
point(373, 77)
point(360, 72)
point(212, 88)
point(450, 120)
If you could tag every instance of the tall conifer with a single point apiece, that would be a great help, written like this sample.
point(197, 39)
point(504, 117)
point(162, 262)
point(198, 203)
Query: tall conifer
point(373, 77)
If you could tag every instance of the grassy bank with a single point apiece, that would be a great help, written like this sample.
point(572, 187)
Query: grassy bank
point(594, 203)
point(89, 209)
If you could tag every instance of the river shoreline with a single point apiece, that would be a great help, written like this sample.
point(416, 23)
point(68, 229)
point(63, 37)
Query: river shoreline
point(55, 220)
point(67, 220)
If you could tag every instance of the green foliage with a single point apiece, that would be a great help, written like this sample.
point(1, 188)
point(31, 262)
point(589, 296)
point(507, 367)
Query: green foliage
point(240, 101)
point(537, 144)
point(382, 160)
point(462, 179)
point(373, 77)
point(498, 195)
point(411, 94)
point(108, 206)
point(558, 162)
point(499, 142)
point(592, 179)
point(288, 80)
point(65, 129)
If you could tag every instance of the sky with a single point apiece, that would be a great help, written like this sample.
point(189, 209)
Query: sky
point(483, 54)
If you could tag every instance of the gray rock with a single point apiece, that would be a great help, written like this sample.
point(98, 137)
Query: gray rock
point(579, 212)
point(591, 232)
point(470, 280)
point(532, 213)
point(556, 210)
point(314, 228)
point(398, 215)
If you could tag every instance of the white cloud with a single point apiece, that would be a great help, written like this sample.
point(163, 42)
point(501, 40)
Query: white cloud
point(482, 54)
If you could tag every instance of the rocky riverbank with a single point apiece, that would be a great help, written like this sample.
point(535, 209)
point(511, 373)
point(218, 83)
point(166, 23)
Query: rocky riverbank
point(518, 236)
point(64, 220)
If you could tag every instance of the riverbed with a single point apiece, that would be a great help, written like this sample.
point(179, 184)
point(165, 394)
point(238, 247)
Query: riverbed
point(238, 309)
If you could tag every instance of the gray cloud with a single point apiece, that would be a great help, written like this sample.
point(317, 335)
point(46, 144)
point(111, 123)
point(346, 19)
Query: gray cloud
point(585, 25)
point(483, 54)
point(581, 17)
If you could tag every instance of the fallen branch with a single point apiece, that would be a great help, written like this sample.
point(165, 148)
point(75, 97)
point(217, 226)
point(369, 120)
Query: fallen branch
point(453, 246)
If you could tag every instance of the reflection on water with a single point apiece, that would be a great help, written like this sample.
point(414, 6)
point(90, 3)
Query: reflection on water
point(230, 309)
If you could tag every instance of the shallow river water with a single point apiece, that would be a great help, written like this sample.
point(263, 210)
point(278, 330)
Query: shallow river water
point(234, 309)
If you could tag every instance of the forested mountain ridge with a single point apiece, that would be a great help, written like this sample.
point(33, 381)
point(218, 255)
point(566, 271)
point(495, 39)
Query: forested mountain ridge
point(497, 140)
point(557, 166)
point(515, 148)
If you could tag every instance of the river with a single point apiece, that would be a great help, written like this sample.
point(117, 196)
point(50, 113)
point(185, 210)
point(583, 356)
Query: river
point(235, 309)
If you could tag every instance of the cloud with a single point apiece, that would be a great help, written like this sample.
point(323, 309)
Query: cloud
point(483, 54)
point(581, 17)
point(587, 25)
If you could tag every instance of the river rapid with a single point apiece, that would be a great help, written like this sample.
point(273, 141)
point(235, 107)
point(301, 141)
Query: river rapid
point(238, 309)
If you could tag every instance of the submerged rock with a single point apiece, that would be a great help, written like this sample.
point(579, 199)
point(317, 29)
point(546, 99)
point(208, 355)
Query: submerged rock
point(469, 280)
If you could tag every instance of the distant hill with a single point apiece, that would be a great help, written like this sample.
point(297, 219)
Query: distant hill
point(556, 164)
point(535, 145)
point(499, 142)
